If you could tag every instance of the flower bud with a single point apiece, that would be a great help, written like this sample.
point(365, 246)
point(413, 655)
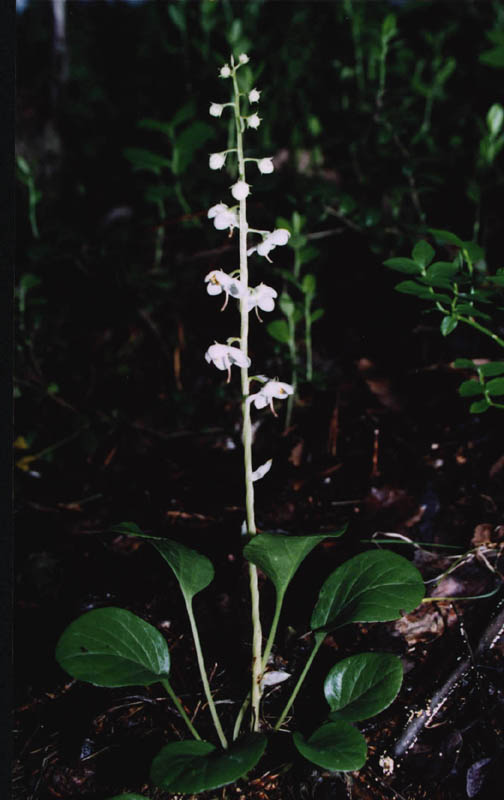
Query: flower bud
point(265, 165)
point(253, 121)
point(244, 59)
point(225, 71)
point(216, 109)
point(217, 160)
point(240, 190)
point(254, 95)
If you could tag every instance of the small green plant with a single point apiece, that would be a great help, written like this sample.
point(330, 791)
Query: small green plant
point(26, 176)
point(459, 290)
point(297, 309)
point(113, 647)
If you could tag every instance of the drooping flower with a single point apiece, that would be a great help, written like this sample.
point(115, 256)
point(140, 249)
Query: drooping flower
point(244, 59)
point(253, 121)
point(225, 71)
point(219, 281)
point(240, 190)
point(280, 236)
point(216, 109)
point(262, 297)
point(265, 165)
point(254, 96)
point(217, 160)
point(268, 392)
point(224, 356)
point(223, 217)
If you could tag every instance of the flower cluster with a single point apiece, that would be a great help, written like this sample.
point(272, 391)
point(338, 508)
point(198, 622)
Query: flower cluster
point(260, 297)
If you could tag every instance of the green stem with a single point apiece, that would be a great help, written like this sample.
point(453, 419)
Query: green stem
point(204, 679)
point(319, 638)
point(293, 357)
point(180, 708)
point(267, 651)
point(247, 426)
point(308, 338)
point(481, 329)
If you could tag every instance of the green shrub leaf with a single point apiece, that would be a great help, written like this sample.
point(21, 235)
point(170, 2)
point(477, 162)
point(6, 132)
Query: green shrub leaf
point(376, 586)
point(495, 386)
point(363, 685)
point(448, 325)
point(403, 265)
point(492, 368)
point(470, 388)
point(191, 767)
point(479, 407)
point(113, 647)
point(337, 746)
point(445, 237)
point(423, 253)
point(279, 330)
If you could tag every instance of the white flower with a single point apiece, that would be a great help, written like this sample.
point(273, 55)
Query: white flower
point(216, 109)
point(270, 390)
point(219, 281)
point(253, 121)
point(223, 217)
point(280, 236)
point(254, 96)
point(261, 471)
point(224, 356)
point(217, 160)
point(265, 165)
point(262, 297)
point(244, 59)
point(225, 71)
point(240, 190)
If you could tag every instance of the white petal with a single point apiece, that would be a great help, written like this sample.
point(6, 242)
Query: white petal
point(274, 677)
point(265, 165)
point(259, 400)
point(261, 471)
point(280, 236)
point(218, 209)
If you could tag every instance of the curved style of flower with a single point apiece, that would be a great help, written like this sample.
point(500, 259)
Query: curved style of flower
point(268, 392)
point(223, 357)
point(223, 217)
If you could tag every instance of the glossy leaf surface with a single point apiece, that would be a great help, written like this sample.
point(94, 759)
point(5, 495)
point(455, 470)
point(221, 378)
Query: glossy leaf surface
point(279, 555)
point(376, 586)
point(361, 686)
point(191, 767)
point(113, 647)
point(335, 746)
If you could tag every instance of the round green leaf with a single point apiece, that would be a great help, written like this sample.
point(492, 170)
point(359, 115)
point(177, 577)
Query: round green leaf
point(336, 746)
point(363, 685)
point(191, 767)
point(423, 253)
point(376, 586)
point(113, 647)
point(470, 388)
point(279, 555)
point(410, 287)
point(495, 386)
point(464, 363)
point(445, 237)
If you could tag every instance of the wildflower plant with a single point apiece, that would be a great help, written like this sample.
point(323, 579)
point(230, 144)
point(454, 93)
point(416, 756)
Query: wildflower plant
point(113, 647)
